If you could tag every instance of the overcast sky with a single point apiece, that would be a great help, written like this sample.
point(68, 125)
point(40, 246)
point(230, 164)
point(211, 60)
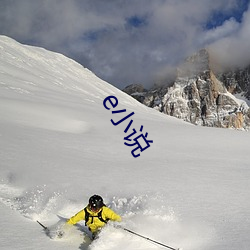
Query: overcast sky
point(131, 41)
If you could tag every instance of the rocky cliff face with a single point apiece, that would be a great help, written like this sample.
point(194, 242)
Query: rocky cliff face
point(199, 96)
point(237, 81)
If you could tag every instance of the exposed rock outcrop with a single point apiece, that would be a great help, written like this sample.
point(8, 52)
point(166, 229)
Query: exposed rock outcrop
point(199, 96)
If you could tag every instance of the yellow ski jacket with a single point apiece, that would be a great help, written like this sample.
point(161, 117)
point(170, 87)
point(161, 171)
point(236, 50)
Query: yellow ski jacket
point(94, 223)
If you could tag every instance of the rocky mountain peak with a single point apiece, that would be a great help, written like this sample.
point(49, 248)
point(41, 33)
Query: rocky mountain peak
point(196, 64)
point(200, 96)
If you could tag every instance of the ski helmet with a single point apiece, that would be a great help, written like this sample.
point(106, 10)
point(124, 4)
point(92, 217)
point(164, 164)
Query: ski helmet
point(95, 202)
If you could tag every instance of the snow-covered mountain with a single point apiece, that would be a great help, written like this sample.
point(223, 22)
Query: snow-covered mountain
point(202, 96)
point(58, 146)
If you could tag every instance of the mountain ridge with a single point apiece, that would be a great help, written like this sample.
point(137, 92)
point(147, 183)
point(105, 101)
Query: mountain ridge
point(201, 95)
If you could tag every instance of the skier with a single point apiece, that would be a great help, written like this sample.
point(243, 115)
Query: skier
point(95, 214)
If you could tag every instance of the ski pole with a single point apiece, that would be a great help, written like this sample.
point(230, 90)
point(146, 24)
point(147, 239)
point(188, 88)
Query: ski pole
point(45, 228)
point(146, 238)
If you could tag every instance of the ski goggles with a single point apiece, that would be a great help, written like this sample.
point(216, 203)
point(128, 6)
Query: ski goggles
point(94, 208)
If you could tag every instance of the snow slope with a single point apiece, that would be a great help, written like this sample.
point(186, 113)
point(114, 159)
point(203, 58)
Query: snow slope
point(189, 189)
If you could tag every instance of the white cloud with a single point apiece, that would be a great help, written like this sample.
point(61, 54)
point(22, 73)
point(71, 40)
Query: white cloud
point(233, 50)
point(228, 28)
point(97, 33)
